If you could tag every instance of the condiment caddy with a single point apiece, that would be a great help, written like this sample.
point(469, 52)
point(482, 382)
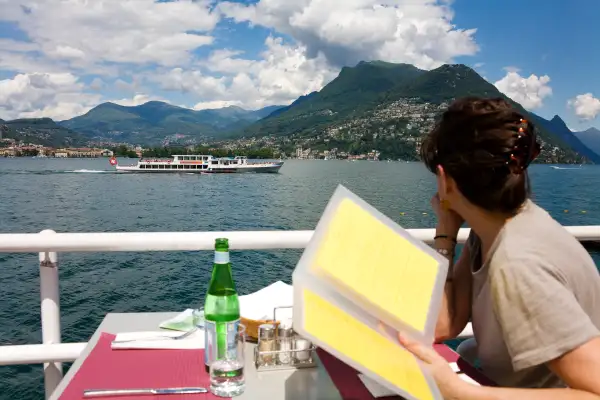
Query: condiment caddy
point(279, 347)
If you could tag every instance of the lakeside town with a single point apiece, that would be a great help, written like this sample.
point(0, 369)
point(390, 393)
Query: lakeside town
point(11, 148)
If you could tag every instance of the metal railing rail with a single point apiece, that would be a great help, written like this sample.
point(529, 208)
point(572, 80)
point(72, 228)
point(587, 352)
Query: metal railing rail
point(48, 243)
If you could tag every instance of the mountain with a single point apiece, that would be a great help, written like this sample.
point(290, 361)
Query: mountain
point(387, 107)
point(591, 138)
point(557, 126)
point(42, 131)
point(155, 121)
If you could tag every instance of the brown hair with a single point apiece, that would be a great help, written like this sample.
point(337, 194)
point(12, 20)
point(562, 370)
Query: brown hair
point(485, 145)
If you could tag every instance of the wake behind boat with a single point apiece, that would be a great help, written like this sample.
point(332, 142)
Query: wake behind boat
point(199, 164)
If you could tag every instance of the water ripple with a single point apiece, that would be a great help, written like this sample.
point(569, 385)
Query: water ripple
point(85, 196)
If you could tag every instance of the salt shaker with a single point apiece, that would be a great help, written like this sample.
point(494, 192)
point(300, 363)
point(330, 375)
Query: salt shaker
point(284, 337)
point(302, 344)
point(266, 344)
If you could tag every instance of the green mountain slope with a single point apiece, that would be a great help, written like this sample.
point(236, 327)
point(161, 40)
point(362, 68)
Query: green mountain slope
point(387, 107)
point(155, 122)
point(42, 131)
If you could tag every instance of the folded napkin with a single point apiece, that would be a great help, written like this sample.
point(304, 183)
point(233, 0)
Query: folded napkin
point(260, 305)
point(377, 390)
point(184, 321)
point(158, 340)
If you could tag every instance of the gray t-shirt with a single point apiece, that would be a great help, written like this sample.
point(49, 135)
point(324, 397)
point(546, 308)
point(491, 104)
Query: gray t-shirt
point(535, 299)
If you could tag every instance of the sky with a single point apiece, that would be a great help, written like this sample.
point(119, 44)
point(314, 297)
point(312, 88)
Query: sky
point(60, 58)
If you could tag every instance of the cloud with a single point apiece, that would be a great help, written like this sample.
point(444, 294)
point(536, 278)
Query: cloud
point(586, 106)
point(142, 49)
point(136, 100)
point(283, 74)
point(478, 65)
point(55, 95)
point(511, 68)
point(80, 33)
point(529, 92)
point(418, 32)
point(209, 105)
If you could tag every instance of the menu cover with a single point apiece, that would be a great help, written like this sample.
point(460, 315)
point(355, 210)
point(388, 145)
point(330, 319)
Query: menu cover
point(361, 269)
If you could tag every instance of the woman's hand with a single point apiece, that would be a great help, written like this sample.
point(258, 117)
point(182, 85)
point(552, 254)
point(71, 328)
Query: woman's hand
point(449, 222)
point(448, 382)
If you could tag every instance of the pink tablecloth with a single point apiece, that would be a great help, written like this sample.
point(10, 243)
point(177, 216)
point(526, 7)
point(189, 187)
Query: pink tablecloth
point(105, 368)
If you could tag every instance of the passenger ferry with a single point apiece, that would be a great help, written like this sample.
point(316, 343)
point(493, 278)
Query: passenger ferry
point(199, 164)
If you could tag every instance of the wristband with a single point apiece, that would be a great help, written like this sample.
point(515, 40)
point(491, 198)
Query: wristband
point(445, 237)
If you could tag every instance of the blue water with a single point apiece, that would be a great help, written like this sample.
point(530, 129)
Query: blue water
point(77, 195)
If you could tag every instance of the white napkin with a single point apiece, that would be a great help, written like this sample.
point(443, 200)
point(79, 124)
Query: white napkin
point(184, 321)
point(467, 378)
point(259, 305)
point(376, 389)
point(150, 340)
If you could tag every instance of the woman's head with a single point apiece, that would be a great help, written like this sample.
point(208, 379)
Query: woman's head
point(480, 150)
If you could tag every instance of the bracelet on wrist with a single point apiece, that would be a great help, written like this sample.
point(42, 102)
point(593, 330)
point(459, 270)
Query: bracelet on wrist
point(452, 239)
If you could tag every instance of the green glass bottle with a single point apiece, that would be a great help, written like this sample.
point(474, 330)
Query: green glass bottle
point(221, 307)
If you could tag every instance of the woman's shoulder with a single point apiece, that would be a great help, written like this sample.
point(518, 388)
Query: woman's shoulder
point(536, 239)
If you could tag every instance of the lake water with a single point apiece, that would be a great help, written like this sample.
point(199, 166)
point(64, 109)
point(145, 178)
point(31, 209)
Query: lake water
point(77, 195)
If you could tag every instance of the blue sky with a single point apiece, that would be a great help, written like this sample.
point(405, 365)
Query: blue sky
point(207, 54)
point(557, 39)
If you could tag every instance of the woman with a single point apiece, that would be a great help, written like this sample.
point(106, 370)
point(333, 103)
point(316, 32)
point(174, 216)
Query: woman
point(530, 289)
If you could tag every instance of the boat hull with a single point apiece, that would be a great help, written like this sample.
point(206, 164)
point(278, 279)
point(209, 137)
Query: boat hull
point(271, 168)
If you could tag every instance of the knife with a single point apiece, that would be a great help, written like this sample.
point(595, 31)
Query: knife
point(135, 392)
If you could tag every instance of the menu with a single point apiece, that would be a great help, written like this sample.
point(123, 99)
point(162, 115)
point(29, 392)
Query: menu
point(361, 270)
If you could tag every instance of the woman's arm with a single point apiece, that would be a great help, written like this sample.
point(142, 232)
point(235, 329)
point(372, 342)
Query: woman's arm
point(579, 369)
point(456, 301)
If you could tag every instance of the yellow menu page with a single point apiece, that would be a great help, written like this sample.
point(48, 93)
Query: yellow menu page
point(361, 254)
point(363, 345)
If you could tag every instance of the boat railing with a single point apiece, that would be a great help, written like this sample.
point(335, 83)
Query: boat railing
point(51, 352)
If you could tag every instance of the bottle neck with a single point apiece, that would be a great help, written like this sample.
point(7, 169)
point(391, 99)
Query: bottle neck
point(221, 257)
point(221, 282)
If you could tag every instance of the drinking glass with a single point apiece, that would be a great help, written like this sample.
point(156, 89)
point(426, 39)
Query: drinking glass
point(227, 373)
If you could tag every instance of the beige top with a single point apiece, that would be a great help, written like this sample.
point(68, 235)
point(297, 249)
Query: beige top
point(537, 298)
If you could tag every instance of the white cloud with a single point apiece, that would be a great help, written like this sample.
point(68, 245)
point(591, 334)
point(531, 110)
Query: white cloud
point(418, 32)
point(124, 31)
point(282, 75)
point(55, 95)
point(586, 106)
point(529, 92)
point(145, 49)
point(136, 100)
point(210, 105)
point(478, 65)
point(511, 68)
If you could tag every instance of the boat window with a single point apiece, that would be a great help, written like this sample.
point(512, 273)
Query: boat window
point(214, 162)
point(154, 166)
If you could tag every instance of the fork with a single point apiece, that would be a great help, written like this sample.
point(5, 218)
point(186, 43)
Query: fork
point(159, 337)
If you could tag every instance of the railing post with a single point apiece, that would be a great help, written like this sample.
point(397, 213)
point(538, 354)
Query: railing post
point(50, 314)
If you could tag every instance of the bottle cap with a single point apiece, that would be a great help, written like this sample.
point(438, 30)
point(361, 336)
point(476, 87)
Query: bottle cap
point(266, 332)
point(285, 328)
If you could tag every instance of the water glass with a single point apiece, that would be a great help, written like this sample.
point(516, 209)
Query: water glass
point(227, 373)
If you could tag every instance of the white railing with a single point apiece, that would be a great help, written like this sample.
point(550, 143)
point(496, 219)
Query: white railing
point(52, 352)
